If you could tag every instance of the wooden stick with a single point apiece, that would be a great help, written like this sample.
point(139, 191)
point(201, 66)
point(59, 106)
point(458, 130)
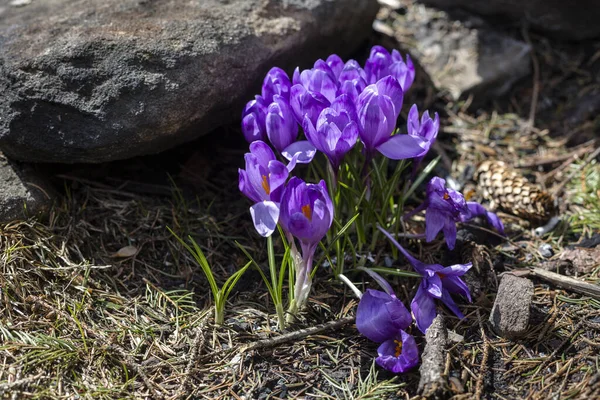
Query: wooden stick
point(302, 333)
point(575, 285)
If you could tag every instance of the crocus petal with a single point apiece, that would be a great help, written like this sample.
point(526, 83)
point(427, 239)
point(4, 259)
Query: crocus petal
point(390, 87)
point(454, 284)
point(450, 233)
point(265, 216)
point(262, 151)
point(336, 64)
point(407, 359)
point(434, 223)
point(423, 308)
point(477, 210)
point(303, 150)
point(402, 147)
point(449, 302)
point(412, 123)
point(456, 269)
point(418, 265)
point(246, 187)
point(278, 174)
point(380, 316)
point(434, 285)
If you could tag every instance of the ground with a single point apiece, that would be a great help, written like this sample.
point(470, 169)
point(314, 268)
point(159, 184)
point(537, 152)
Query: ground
point(98, 300)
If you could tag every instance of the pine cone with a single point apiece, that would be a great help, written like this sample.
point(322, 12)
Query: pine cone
point(507, 189)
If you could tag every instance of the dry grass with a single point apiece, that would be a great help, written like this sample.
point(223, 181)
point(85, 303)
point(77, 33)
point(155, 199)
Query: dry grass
point(99, 301)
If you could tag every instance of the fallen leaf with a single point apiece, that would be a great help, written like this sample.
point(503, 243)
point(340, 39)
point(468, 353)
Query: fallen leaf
point(126, 251)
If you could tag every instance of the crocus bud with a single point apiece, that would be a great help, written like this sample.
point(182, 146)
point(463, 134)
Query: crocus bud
point(320, 79)
point(253, 120)
point(336, 132)
point(403, 72)
point(305, 102)
point(276, 82)
point(426, 129)
point(281, 125)
point(376, 66)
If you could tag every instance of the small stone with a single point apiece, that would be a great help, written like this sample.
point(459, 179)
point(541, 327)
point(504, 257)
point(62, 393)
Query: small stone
point(511, 310)
point(24, 193)
point(546, 250)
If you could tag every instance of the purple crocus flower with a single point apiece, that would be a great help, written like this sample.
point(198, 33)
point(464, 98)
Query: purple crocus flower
point(307, 214)
point(378, 109)
point(263, 182)
point(381, 63)
point(307, 103)
point(426, 129)
point(382, 318)
point(281, 126)
point(445, 207)
point(276, 82)
point(320, 79)
point(336, 131)
point(253, 120)
point(352, 79)
point(404, 72)
point(438, 283)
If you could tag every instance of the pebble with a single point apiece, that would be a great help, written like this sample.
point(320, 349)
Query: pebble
point(511, 311)
point(546, 250)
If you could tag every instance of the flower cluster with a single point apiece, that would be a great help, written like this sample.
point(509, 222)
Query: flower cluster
point(338, 104)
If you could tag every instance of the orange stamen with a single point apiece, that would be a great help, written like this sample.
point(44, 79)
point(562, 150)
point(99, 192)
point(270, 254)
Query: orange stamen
point(446, 197)
point(398, 348)
point(265, 185)
point(307, 211)
point(442, 276)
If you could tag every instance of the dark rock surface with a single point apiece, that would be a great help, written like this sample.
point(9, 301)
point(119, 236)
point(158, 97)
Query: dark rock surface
point(511, 310)
point(88, 81)
point(461, 56)
point(574, 20)
point(24, 193)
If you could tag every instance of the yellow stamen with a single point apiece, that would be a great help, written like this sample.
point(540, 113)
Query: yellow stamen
point(265, 185)
point(398, 348)
point(446, 197)
point(307, 211)
point(469, 194)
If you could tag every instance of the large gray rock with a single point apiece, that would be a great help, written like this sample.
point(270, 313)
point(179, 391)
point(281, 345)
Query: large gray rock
point(93, 81)
point(461, 56)
point(575, 20)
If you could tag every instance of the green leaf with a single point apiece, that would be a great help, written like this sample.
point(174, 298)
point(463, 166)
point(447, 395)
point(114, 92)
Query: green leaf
point(426, 171)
